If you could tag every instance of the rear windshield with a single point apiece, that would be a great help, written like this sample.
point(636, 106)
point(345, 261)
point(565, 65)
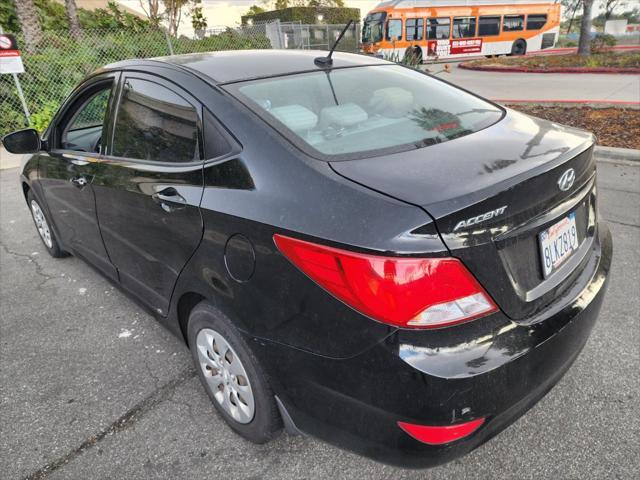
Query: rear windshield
point(359, 111)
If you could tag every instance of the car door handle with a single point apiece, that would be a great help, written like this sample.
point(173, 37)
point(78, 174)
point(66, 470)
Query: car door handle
point(169, 199)
point(79, 182)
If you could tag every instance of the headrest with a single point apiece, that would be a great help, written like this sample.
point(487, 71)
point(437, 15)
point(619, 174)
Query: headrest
point(342, 116)
point(391, 102)
point(295, 117)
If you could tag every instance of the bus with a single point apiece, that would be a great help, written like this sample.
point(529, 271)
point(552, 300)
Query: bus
point(424, 29)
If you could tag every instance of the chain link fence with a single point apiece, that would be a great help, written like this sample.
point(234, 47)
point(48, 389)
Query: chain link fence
point(61, 61)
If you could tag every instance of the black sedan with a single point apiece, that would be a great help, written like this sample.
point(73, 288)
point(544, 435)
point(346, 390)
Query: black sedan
point(355, 249)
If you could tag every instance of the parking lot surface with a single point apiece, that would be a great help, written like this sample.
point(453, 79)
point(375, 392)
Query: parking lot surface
point(91, 386)
point(504, 86)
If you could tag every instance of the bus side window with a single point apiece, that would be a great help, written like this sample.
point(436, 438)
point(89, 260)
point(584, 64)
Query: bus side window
point(464, 27)
point(488, 26)
point(536, 22)
point(438, 28)
point(394, 29)
point(414, 28)
point(513, 23)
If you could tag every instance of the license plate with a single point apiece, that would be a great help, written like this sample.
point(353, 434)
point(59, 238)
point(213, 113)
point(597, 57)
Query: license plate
point(557, 244)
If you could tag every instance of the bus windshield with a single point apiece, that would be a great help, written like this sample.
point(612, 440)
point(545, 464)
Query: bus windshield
point(354, 111)
point(373, 26)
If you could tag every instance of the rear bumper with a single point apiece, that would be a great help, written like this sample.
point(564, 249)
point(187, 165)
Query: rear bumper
point(498, 371)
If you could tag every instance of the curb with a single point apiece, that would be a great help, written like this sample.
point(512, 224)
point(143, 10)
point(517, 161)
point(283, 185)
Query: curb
point(586, 103)
point(600, 70)
point(612, 153)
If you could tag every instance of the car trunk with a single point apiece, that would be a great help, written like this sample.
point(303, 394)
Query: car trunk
point(491, 194)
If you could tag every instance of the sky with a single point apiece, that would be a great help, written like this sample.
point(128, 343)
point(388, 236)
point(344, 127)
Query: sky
point(228, 12)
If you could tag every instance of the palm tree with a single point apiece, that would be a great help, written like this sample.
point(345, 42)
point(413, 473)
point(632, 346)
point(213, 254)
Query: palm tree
point(584, 47)
point(30, 23)
point(72, 16)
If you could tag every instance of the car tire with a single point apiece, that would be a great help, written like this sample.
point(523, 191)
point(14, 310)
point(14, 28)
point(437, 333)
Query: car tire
point(519, 47)
point(240, 392)
point(43, 227)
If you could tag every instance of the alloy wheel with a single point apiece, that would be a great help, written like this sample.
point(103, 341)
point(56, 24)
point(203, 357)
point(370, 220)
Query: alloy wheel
point(225, 375)
point(41, 224)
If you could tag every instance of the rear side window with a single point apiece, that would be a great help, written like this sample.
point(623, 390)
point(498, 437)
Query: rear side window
point(438, 28)
point(536, 22)
point(513, 23)
point(394, 30)
point(155, 123)
point(489, 26)
point(414, 28)
point(464, 27)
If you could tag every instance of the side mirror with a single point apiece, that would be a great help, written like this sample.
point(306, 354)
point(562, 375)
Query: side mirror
point(22, 141)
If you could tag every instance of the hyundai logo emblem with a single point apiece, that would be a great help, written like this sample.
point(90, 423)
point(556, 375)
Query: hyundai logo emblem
point(566, 180)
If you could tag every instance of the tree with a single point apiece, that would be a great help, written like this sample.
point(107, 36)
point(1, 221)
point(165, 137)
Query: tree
point(254, 10)
point(30, 23)
point(198, 20)
point(584, 47)
point(571, 6)
point(610, 5)
point(72, 17)
point(173, 14)
point(152, 10)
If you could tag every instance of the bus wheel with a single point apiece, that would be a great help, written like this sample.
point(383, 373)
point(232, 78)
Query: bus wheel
point(519, 47)
point(413, 56)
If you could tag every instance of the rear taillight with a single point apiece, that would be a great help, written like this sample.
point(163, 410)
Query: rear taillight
point(406, 292)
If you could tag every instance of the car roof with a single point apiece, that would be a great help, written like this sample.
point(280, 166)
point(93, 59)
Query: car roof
point(237, 65)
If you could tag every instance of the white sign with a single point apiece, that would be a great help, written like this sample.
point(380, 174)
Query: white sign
point(10, 61)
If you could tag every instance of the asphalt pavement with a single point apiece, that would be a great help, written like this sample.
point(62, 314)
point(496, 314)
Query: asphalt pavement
point(561, 87)
point(92, 387)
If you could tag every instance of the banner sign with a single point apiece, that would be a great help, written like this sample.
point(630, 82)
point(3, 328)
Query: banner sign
point(446, 47)
point(10, 61)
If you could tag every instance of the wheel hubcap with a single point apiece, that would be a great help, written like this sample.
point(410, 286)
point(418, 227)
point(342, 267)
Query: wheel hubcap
point(41, 224)
point(225, 375)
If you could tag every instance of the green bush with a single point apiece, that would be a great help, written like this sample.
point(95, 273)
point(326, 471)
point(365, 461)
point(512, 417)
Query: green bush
point(601, 41)
point(62, 62)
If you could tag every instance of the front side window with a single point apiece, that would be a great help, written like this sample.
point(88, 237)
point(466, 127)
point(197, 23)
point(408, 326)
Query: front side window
point(356, 111)
point(154, 123)
point(394, 30)
point(414, 27)
point(83, 132)
point(513, 23)
point(373, 26)
point(489, 26)
point(464, 27)
point(536, 22)
point(438, 28)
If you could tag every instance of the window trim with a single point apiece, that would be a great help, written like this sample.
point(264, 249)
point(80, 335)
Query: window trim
point(427, 26)
point(386, 33)
point(415, 28)
point(499, 17)
point(174, 88)
point(468, 17)
point(53, 134)
point(526, 21)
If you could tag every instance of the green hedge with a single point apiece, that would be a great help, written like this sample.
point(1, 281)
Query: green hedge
point(307, 15)
point(61, 63)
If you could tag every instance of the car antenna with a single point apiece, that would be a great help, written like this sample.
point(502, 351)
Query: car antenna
point(327, 61)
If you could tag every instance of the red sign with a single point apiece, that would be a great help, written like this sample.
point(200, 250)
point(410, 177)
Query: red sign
point(467, 45)
point(10, 61)
point(446, 47)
